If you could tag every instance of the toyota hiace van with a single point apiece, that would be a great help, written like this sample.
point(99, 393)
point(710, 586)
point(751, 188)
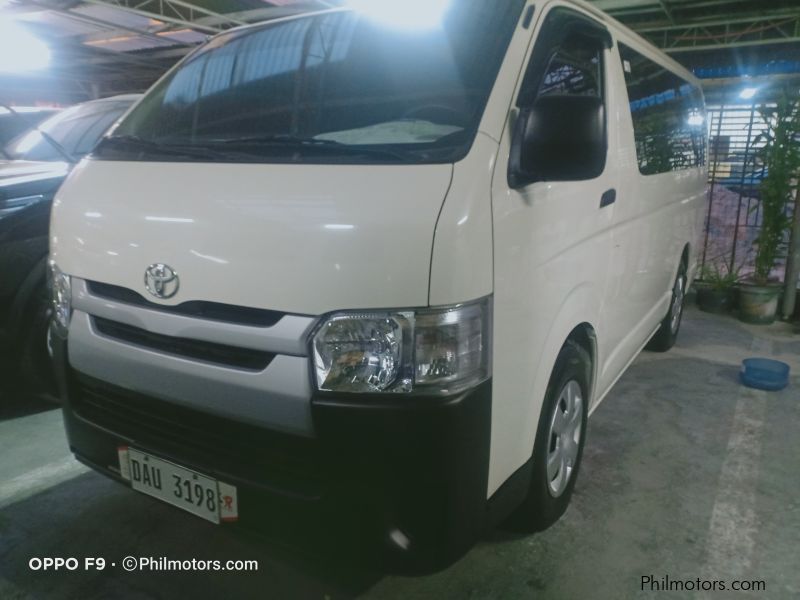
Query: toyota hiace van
point(377, 266)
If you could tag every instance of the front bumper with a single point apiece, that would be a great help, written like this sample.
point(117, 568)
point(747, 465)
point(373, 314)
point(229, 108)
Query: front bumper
point(400, 480)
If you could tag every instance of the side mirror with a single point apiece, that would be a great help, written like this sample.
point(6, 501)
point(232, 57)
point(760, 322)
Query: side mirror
point(559, 138)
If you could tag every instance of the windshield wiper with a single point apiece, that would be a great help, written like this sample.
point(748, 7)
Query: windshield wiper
point(46, 136)
point(301, 143)
point(188, 151)
point(58, 147)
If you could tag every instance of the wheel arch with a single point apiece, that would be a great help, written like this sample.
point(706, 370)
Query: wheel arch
point(579, 321)
point(687, 252)
point(686, 262)
point(22, 300)
point(586, 337)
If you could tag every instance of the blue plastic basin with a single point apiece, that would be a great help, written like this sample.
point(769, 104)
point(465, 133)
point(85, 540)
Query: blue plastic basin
point(765, 374)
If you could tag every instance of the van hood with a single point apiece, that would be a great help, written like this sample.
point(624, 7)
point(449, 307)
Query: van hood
point(304, 239)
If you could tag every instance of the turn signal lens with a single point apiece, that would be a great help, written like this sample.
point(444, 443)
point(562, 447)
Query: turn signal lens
point(61, 286)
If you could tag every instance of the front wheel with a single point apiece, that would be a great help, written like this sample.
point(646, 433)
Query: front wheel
point(667, 333)
point(559, 442)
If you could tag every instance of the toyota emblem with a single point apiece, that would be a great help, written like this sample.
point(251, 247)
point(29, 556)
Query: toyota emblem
point(161, 281)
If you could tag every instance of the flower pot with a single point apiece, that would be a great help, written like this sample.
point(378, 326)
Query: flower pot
point(714, 300)
point(758, 304)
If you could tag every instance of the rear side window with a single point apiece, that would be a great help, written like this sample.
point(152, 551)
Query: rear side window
point(668, 113)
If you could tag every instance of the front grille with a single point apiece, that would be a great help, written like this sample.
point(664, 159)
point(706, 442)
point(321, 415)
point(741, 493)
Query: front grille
point(289, 465)
point(220, 354)
point(212, 311)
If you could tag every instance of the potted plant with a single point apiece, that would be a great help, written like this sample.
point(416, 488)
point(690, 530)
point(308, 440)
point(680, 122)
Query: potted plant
point(715, 288)
point(780, 157)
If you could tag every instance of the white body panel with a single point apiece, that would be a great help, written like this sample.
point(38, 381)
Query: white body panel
point(561, 261)
point(461, 268)
point(300, 239)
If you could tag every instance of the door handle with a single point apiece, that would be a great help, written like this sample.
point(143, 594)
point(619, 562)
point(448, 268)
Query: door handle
point(608, 198)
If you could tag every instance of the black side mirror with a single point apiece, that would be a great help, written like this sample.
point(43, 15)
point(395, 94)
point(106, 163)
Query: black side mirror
point(559, 138)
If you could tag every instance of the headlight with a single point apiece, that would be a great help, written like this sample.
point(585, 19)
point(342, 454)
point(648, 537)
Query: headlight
point(61, 287)
point(426, 351)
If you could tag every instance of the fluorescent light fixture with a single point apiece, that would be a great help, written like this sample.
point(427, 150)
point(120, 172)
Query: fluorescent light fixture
point(169, 219)
point(20, 51)
point(403, 14)
point(748, 93)
point(696, 119)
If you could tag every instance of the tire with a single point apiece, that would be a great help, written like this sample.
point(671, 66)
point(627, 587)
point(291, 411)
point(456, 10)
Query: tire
point(670, 327)
point(35, 365)
point(549, 494)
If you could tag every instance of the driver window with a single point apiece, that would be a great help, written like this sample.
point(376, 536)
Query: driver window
point(574, 70)
point(561, 129)
point(567, 59)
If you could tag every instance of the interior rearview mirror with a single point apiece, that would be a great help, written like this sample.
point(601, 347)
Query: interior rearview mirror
point(559, 138)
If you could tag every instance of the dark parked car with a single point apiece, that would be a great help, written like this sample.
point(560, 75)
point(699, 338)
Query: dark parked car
point(17, 120)
point(38, 162)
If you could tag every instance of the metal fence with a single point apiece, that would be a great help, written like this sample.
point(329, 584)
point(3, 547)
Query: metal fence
point(735, 176)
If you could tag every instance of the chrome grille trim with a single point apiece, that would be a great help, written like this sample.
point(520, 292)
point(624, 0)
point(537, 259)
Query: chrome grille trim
point(288, 336)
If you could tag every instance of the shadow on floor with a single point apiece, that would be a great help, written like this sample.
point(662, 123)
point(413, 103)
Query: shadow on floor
point(90, 516)
point(16, 402)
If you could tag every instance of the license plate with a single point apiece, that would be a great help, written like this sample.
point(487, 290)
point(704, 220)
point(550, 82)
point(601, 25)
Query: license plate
point(194, 492)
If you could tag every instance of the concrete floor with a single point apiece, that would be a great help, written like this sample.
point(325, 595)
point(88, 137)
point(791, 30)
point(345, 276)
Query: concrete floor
point(686, 474)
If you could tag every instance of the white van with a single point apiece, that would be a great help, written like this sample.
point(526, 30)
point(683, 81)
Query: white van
point(376, 267)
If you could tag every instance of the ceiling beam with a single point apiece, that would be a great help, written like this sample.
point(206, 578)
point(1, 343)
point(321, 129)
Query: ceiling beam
point(257, 15)
point(754, 18)
point(112, 29)
point(160, 15)
point(674, 6)
point(190, 11)
point(724, 46)
point(667, 11)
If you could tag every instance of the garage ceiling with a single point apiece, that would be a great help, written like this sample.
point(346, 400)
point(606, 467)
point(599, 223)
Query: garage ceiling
point(101, 47)
point(684, 25)
point(104, 47)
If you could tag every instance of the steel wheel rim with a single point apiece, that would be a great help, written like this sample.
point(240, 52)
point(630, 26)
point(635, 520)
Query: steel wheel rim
point(678, 295)
point(564, 437)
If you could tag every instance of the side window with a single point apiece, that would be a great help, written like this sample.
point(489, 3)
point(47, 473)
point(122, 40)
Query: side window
point(575, 69)
point(668, 116)
point(567, 59)
point(560, 134)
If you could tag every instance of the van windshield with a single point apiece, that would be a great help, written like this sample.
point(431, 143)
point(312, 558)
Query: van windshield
point(335, 87)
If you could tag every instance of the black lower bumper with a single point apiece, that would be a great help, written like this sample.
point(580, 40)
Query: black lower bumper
point(404, 481)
